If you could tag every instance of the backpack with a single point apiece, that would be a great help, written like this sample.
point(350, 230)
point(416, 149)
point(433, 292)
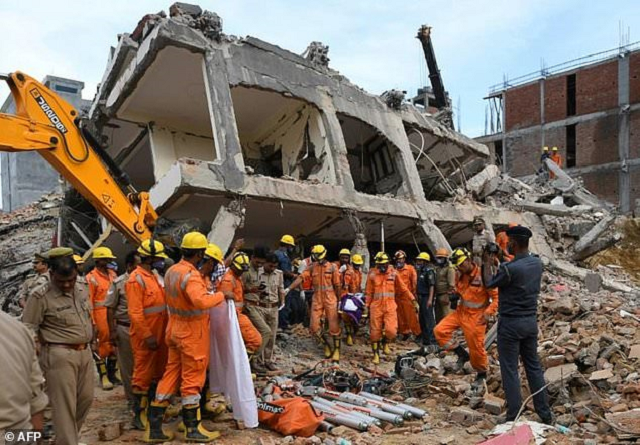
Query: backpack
point(294, 416)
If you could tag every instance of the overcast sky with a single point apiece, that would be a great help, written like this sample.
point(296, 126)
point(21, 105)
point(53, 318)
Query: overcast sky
point(371, 42)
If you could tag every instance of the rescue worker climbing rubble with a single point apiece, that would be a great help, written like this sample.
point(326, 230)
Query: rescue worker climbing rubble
point(408, 323)
point(326, 285)
point(231, 284)
point(188, 341)
point(474, 305)
point(384, 285)
point(148, 314)
point(100, 280)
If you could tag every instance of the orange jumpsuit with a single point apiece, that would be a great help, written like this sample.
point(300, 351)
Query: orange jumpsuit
point(347, 280)
point(408, 322)
point(325, 278)
point(380, 297)
point(187, 337)
point(357, 281)
point(502, 240)
point(99, 285)
point(473, 305)
point(148, 314)
point(555, 157)
point(250, 335)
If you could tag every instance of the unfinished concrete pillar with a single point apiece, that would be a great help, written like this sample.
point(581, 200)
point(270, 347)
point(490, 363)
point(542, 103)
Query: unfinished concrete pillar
point(359, 243)
point(228, 219)
point(434, 236)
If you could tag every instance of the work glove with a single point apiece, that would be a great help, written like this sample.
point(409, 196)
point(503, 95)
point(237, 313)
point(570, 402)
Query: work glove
point(453, 300)
point(416, 305)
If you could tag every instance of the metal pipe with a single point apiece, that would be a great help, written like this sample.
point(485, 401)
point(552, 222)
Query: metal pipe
point(362, 401)
point(339, 418)
point(345, 407)
point(378, 414)
point(419, 413)
point(325, 426)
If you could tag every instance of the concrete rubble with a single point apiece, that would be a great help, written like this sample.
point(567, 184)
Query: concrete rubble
point(251, 140)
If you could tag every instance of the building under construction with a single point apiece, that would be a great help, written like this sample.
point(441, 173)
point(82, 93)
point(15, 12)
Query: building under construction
point(589, 108)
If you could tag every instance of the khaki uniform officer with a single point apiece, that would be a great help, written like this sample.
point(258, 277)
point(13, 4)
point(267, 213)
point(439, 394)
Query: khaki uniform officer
point(59, 315)
point(22, 397)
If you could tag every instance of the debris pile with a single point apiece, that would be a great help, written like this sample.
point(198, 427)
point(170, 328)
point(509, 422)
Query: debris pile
point(23, 233)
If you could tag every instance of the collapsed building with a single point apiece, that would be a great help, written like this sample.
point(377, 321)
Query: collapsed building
point(255, 141)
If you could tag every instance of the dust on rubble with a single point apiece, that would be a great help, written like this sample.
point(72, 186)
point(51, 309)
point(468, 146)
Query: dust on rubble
point(625, 254)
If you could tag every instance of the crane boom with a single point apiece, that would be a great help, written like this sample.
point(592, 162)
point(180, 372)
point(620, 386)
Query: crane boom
point(424, 35)
point(46, 123)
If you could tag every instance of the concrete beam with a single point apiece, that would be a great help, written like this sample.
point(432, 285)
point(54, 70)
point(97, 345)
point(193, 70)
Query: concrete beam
point(555, 210)
point(624, 178)
point(587, 246)
point(227, 221)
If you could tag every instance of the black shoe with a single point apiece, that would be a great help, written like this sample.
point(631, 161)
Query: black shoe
point(463, 356)
point(549, 420)
point(112, 371)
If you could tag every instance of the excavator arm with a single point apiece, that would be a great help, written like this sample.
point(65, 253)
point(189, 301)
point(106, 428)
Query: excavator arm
point(46, 123)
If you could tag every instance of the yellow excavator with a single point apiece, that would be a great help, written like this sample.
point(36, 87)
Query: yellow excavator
point(46, 123)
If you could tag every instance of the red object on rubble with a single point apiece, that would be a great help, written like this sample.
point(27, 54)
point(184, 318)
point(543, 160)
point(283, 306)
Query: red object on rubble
point(520, 435)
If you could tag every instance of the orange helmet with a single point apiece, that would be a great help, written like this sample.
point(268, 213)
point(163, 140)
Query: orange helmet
point(512, 225)
point(442, 252)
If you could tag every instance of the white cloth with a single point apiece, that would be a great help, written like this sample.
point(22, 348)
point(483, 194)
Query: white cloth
point(229, 369)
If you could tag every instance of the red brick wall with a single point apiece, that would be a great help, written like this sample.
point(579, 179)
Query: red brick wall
point(597, 141)
point(603, 184)
point(522, 107)
point(555, 98)
point(634, 78)
point(597, 88)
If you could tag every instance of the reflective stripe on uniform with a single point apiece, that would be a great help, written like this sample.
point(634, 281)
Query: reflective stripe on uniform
point(186, 312)
point(93, 281)
point(472, 305)
point(384, 295)
point(185, 281)
point(140, 281)
point(326, 288)
point(154, 309)
point(98, 304)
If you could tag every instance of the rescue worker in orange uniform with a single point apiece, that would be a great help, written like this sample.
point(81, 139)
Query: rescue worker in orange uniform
point(408, 322)
point(325, 277)
point(502, 240)
point(187, 338)
point(347, 278)
point(557, 158)
point(357, 262)
point(232, 283)
point(384, 286)
point(474, 306)
point(100, 280)
point(148, 314)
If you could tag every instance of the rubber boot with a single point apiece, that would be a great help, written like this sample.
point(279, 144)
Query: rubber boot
point(215, 404)
point(463, 356)
point(154, 433)
point(386, 350)
point(335, 357)
point(327, 348)
point(140, 402)
point(112, 371)
point(349, 339)
point(196, 432)
point(376, 355)
point(104, 380)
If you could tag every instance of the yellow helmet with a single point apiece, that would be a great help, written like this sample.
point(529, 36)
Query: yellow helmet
point(424, 256)
point(554, 149)
point(78, 259)
point(213, 251)
point(195, 241)
point(381, 258)
point(103, 253)
point(345, 252)
point(318, 252)
point(357, 259)
point(288, 239)
point(459, 256)
point(240, 262)
point(545, 148)
point(155, 250)
point(400, 254)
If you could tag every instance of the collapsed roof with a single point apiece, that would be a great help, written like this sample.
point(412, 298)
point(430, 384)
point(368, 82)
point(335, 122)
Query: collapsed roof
point(281, 142)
